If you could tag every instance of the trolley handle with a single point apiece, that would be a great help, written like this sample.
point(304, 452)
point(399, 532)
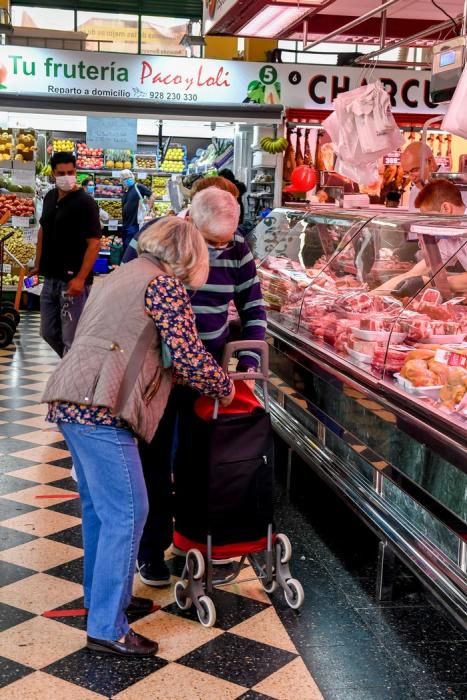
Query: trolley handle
point(262, 375)
point(260, 346)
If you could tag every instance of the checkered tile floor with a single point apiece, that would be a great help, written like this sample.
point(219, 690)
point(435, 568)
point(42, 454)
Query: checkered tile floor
point(248, 654)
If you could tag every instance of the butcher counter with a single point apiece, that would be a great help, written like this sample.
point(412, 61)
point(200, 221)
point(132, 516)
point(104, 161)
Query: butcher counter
point(370, 388)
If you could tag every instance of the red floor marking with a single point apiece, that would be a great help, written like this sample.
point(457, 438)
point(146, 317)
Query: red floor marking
point(76, 612)
point(59, 495)
point(81, 612)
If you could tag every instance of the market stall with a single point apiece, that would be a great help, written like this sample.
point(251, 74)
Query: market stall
point(371, 390)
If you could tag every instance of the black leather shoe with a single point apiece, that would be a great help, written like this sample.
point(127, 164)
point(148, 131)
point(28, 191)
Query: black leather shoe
point(134, 644)
point(140, 605)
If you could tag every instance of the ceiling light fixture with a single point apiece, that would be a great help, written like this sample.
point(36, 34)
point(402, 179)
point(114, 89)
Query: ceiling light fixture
point(272, 20)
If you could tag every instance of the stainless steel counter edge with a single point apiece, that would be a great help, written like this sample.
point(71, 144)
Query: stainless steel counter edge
point(446, 580)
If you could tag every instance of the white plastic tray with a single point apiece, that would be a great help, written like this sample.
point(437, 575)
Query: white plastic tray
point(359, 356)
point(431, 392)
point(378, 336)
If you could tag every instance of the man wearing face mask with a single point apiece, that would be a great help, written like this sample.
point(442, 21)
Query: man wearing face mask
point(132, 197)
point(67, 247)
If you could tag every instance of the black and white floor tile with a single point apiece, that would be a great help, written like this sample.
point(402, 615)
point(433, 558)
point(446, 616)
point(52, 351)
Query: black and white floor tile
point(342, 645)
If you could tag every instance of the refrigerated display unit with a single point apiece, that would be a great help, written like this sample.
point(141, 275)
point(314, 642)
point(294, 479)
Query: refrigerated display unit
point(370, 388)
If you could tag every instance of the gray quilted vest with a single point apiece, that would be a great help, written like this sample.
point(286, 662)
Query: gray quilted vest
point(115, 359)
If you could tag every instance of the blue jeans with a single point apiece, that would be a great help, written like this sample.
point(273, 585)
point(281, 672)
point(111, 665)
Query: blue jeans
point(60, 314)
point(127, 234)
point(114, 507)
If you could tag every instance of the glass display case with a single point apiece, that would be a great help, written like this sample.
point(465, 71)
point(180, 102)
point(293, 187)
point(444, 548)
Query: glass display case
point(384, 295)
point(367, 324)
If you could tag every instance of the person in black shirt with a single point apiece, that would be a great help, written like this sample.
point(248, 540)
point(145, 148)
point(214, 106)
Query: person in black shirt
point(228, 175)
point(131, 199)
point(67, 247)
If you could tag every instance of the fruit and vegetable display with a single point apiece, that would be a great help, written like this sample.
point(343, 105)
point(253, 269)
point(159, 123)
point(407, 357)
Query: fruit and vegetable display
point(6, 145)
point(17, 206)
point(275, 146)
point(92, 158)
point(159, 186)
point(174, 161)
point(16, 245)
point(10, 280)
point(145, 162)
point(106, 186)
point(118, 160)
point(26, 145)
point(6, 183)
point(113, 208)
point(63, 146)
point(161, 208)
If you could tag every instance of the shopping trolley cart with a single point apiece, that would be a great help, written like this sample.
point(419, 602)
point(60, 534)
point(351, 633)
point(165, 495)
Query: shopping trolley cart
point(224, 495)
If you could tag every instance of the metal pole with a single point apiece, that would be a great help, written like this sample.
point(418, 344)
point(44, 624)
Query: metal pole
point(354, 23)
point(382, 36)
point(464, 19)
point(407, 41)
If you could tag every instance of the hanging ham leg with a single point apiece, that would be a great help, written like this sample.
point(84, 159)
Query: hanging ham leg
point(289, 158)
point(308, 159)
point(299, 160)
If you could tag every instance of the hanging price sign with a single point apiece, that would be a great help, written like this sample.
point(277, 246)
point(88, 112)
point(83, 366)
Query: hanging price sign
point(30, 235)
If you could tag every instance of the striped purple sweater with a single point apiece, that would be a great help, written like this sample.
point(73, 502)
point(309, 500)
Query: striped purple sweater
point(232, 277)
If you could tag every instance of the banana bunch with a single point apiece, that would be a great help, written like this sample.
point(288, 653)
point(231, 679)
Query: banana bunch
point(271, 145)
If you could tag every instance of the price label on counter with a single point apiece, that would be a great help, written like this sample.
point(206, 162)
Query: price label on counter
point(141, 176)
point(6, 269)
point(116, 173)
point(113, 225)
point(21, 221)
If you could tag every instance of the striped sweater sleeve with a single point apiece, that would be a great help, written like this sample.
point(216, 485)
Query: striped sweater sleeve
point(249, 302)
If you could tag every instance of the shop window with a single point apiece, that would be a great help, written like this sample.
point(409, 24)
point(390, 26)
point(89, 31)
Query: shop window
point(43, 18)
point(109, 32)
point(161, 36)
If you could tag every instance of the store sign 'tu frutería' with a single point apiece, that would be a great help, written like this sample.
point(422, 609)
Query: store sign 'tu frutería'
point(29, 71)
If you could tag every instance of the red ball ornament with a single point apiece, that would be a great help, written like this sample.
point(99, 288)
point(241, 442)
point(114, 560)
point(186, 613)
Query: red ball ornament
point(303, 178)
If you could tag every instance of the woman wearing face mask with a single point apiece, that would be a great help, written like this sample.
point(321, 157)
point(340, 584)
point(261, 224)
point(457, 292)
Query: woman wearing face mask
point(133, 195)
point(67, 247)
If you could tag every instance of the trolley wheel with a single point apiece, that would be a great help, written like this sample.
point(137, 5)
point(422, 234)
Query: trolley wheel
point(199, 567)
point(8, 304)
point(294, 600)
point(269, 587)
point(183, 601)
point(10, 312)
point(6, 334)
point(9, 321)
point(207, 615)
point(286, 548)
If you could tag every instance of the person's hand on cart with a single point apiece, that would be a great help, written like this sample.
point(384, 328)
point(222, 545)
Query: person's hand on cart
point(227, 400)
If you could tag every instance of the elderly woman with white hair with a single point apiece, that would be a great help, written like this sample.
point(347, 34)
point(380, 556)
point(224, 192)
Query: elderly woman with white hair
point(232, 278)
point(137, 334)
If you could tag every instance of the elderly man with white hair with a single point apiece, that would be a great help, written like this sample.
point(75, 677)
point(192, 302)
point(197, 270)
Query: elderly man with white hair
point(232, 277)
